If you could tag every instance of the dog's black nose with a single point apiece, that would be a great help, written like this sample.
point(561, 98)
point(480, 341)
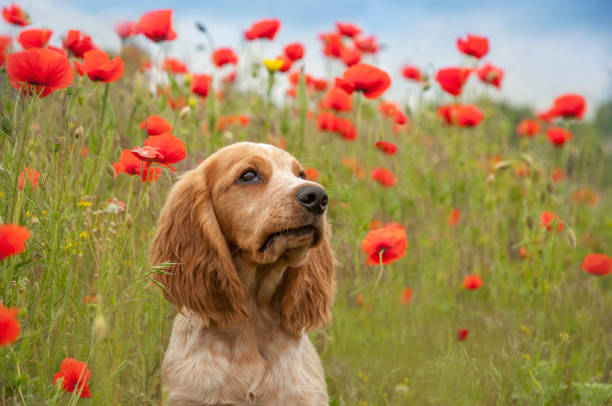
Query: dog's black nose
point(313, 198)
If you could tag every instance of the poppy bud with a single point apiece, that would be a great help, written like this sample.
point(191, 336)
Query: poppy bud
point(529, 222)
point(502, 165)
point(100, 327)
point(110, 171)
point(79, 132)
point(7, 126)
point(185, 112)
point(570, 237)
point(128, 220)
point(187, 78)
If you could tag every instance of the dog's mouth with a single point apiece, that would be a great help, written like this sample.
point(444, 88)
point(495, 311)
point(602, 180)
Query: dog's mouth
point(298, 234)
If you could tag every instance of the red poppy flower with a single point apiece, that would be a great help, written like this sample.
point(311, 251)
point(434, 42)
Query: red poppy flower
point(558, 175)
point(230, 77)
point(58, 50)
point(386, 147)
point(345, 128)
point(145, 66)
point(523, 252)
point(348, 29)
point(546, 116)
point(467, 115)
point(383, 176)
point(337, 99)
point(406, 296)
point(12, 239)
point(78, 43)
point(99, 67)
point(294, 51)
point(454, 217)
point(157, 25)
point(547, 218)
point(175, 66)
point(13, 14)
point(462, 334)
point(171, 148)
point(597, 264)
point(223, 56)
point(446, 112)
point(319, 84)
point(6, 43)
point(39, 71)
point(32, 175)
point(325, 121)
point(386, 245)
point(9, 326)
point(472, 282)
point(528, 128)
point(474, 45)
point(74, 375)
point(350, 56)
point(34, 38)
point(452, 79)
point(388, 109)
point(490, 74)
point(130, 165)
point(412, 72)
point(585, 196)
point(155, 125)
point(359, 299)
point(399, 120)
point(311, 174)
point(558, 136)
point(200, 84)
point(332, 44)
point(569, 106)
point(368, 79)
point(367, 45)
point(287, 63)
point(126, 29)
point(263, 29)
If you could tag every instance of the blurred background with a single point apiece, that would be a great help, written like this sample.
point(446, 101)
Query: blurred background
point(546, 47)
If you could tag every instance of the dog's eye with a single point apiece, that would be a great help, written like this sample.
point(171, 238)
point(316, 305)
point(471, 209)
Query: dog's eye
point(249, 176)
point(302, 175)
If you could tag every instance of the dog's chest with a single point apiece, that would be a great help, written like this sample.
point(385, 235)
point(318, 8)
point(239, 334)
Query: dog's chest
point(254, 365)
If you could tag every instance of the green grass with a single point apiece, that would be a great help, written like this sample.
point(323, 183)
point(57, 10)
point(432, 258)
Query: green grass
point(539, 328)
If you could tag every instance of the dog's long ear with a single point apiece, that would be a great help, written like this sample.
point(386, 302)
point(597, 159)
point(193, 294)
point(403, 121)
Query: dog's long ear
point(203, 278)
point(306, 293)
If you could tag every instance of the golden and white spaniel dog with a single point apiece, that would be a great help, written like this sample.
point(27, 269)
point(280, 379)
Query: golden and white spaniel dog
point(251, 272)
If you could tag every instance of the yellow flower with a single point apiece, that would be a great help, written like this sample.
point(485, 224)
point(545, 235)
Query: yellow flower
point(187, 78)
point(1, 195)
point(273, 64)
point(83, 235)
point(84, 203)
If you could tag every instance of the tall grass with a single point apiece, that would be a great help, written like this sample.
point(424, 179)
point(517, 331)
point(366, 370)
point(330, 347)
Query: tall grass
point(539, 328)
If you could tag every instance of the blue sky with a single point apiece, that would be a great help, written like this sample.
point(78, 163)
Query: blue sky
point(546, 47)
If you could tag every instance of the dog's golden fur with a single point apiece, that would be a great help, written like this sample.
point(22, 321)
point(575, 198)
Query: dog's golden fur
point(244, 310)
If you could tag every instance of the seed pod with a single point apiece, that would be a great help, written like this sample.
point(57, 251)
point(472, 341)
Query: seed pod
point(100, 327)
point(503, 165)
point(79, 132)
point(7, 126)
point(185, 111)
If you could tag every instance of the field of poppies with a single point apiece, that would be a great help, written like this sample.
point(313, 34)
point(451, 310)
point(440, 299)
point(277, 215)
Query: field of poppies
point(473, 237)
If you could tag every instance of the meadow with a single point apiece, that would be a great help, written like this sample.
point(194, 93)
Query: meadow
point(492, 301)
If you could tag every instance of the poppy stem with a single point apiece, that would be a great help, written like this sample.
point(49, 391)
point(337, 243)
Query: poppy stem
point(268, 100)
point(102, 111)
point(381, 268)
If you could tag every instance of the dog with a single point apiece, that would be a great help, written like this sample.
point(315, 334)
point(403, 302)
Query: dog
point(250, 270)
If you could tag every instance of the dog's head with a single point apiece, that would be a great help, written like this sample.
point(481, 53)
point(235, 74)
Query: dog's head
point(250, 201)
